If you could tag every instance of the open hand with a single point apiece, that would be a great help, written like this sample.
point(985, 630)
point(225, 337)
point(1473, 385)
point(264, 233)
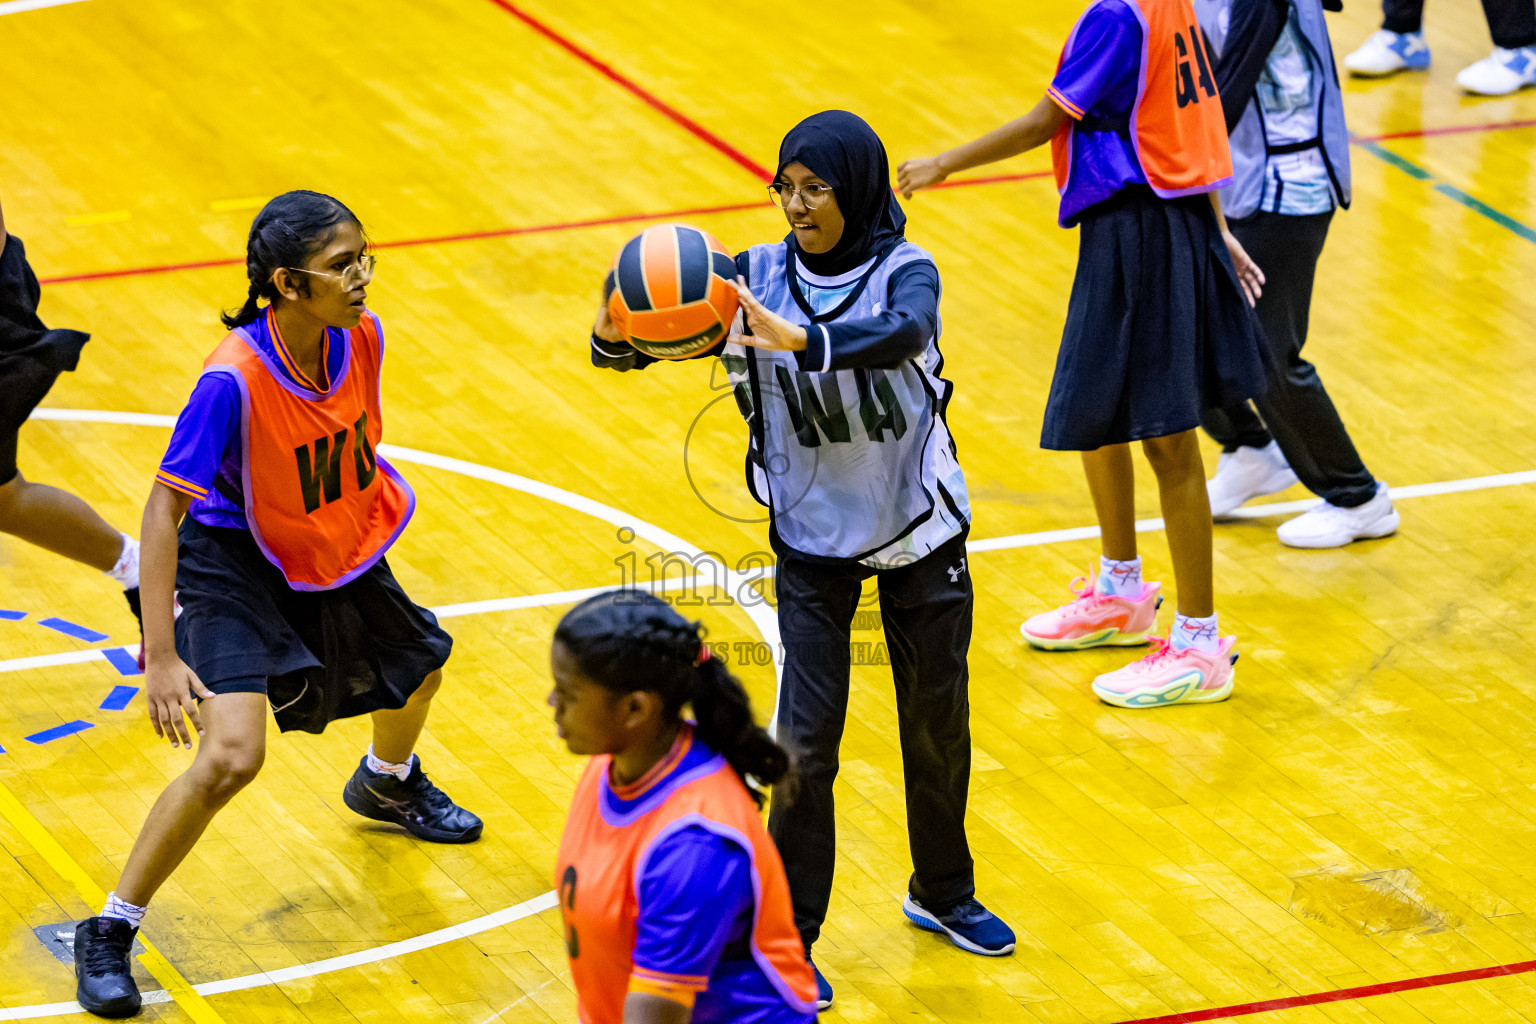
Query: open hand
point(169, 688)
point(769, 330)
point(1248, 273)
point(922, 172)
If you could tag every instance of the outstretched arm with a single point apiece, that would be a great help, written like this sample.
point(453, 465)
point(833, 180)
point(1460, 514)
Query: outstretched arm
point(2, 231)
point(1017, 136)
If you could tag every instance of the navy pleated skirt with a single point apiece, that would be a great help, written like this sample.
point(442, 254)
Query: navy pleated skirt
point(322, 655)
point(1157, 326)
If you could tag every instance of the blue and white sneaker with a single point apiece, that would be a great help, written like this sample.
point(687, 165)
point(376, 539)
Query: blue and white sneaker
point(1501, 72)
point(968, 924)
point(823, 989)
point(1387, 53)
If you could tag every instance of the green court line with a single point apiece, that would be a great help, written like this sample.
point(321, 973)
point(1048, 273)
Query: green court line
point(1472, 203)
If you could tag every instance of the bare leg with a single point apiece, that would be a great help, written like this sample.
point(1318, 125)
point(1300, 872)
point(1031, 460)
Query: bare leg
point(1112, 482)
point(395, 732)
point(1187, 518)
point(229, 755)
point(58, 521)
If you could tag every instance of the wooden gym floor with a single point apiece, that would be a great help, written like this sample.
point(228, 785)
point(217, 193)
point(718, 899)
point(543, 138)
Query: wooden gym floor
point(1359, 814)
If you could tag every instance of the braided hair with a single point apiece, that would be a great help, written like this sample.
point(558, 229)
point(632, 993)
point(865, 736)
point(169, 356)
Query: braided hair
point(288, 230)
point(625, 641)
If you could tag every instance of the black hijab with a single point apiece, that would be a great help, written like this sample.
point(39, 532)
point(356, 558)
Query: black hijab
point(843, 150)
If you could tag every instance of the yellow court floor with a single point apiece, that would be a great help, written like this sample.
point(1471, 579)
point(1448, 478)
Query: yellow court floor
point(1361, 813)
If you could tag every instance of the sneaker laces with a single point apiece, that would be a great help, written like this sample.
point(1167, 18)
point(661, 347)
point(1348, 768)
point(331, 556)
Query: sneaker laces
point(968, 911)
point(1085, 594)
point(424, 792)
point(1162, 648)
point(107, 954)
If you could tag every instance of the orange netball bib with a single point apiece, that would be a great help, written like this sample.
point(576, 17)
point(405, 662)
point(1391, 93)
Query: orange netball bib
point(321, 503)
point(603, 855)
point(1177, 126)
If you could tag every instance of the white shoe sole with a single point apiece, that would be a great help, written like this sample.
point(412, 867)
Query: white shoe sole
point(926, 921)
point(1385, 528)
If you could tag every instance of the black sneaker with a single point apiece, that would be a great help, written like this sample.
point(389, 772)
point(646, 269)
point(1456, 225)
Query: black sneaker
point(132, 597)
point(419, 807)
point(105, 978)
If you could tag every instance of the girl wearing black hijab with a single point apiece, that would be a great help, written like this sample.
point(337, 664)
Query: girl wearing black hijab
point(837, 372)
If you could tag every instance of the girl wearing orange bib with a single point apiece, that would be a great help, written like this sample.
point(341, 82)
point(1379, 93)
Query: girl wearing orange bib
point(285, 513)
point(674, 899)
point(1158, 325)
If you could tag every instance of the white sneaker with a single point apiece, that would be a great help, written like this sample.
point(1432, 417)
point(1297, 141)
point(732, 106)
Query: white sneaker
point(1501, 72)
point(1329, 526)
point(1246, 474)
point(1386, 53)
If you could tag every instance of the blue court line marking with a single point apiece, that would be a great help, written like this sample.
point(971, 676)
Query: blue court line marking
point(125, 663)
point(120, 697)
point(7, 614)
point(1472, 203)
point(60, 731)
point(90, 636)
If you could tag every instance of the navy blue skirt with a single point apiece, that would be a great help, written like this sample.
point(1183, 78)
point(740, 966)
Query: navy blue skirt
point(1157, 326)
point(31, 355)
point(324, 655)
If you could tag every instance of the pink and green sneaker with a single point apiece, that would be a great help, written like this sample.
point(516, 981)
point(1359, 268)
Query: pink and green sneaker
point(1093, 619)
point(1170, 675)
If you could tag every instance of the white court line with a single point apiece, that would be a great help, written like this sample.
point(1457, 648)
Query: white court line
point(16, 7)
point(1017, 540)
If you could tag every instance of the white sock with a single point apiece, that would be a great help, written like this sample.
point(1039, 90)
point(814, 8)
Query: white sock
point(1119, 579)
point(399, 771)
point(1200, 634)
point(126, 571)
point(123, 910)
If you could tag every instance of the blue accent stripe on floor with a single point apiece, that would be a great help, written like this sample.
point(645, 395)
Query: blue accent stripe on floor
point(90, 636)
point(1472, 203)
point(5, 614)
point(125, 663)
point(60, 731)
point(120, 697)
point(1501, 219)
point(1406, 166)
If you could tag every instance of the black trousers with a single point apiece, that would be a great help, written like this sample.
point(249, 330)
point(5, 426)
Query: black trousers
point(1512, 23)
point(926, 609)
point(1296, 409)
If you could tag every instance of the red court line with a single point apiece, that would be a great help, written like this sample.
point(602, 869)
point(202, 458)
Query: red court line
point(1338, 995)
point(635, 89)
point(1455, 129)
point(100, 275)
point(404, 243)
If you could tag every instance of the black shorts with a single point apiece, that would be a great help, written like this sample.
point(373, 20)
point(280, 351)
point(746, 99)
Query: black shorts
point(318, 655)
point(31, 356)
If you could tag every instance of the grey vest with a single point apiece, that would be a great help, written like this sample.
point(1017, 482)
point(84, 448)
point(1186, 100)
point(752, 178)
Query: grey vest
point(1250, 147)
point(849, 461)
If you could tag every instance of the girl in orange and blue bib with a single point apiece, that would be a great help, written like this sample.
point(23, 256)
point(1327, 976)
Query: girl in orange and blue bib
point(1158, 326)
point(675, 903)
point(285, 512)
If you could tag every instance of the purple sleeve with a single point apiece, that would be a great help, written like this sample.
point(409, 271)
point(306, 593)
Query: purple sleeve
point(695, 891)
point(204, 431)
point(1105, 47)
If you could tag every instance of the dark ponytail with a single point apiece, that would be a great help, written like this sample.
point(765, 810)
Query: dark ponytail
point(287, 231)
point(625, 641)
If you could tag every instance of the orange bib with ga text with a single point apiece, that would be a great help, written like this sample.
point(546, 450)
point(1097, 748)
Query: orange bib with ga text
point(1177, 127)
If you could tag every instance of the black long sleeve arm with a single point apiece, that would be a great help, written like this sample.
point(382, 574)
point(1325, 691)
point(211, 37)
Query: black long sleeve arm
point(1254, 30)
point(897, 333)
